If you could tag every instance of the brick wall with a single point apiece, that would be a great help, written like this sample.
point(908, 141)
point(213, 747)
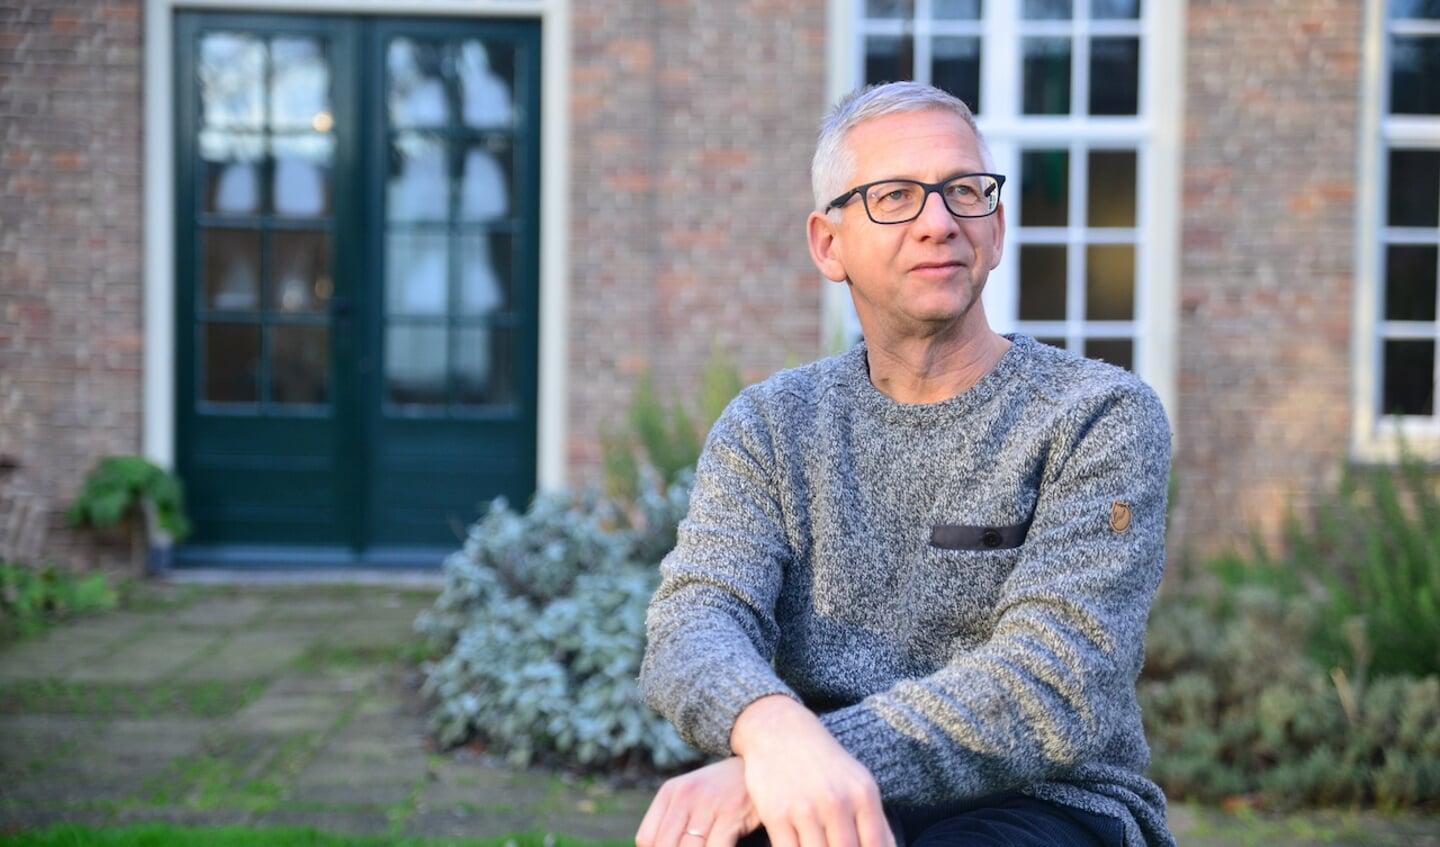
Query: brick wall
point(1267, 264)
point(693, 127)
point(70, 240)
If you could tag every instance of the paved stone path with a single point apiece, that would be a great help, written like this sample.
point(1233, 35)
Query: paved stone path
point(270, 705)
point(296, 705)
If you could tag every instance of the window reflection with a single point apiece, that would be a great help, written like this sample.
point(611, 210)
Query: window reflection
point(484, 190)
point(1109, 282)
point(1115, 76)
point(419, 187)
point(231, 269)
point(1409, 378)
point(417, 270)
point(485, 96)
point(481, 289)
point(415, 365)
point(299, 83)
point(1045, 188)
point(417, 91)
point(300, 371)
point(300, 273)
point(232, 363)
point(1410, 279)
point(1112, 188)
point(231, 69)
point(1042, 282)
point(1047, 76)
point(1052, 10)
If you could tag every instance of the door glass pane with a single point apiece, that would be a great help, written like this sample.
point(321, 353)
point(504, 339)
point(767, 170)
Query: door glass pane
point(1042, 282)
point(415, 365)
point(231, 269)
point(302, 175)
point(300, 365)
point(1045, 188)
point(231, 68)
point(485, 278)
point(1115, 9)
point(1409, 378)
point(486, 73)
point(1414, 196)
point(485, 183)
point(1111, 201)
point(417, 273)
point(232, 362)
point(956, 68)
point(299, 84)
point(1053, 10)
point(1047, 76)
point(230, 167)
point(1116, 351)
point(1414, 68)
point(956, 10)
point(1115, 76)
point(417, 96)
point(1410, 274)
point(889, 58)
point(300, 272)
point(1109, 282)
point(484, 367)
point(418, 188)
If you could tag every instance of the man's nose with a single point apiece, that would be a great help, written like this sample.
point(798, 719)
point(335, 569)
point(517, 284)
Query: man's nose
point(935, 213)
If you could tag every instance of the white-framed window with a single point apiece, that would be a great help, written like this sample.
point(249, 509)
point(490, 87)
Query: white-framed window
point(1397, 332)
point(1080, 102)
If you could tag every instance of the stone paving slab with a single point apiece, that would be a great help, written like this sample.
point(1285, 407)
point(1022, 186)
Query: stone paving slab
point(221, 613)
point(148, 661)
point(247, 655)
point(57, 651)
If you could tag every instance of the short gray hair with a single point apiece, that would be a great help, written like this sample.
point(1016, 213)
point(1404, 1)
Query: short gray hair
point(834, 161)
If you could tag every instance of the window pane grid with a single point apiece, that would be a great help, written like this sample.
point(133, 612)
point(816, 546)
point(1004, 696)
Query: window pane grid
point(263, 223)
point(1406, 288)
point(451, 224)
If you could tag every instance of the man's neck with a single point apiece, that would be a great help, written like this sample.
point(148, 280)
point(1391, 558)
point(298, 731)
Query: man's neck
point(930, 370)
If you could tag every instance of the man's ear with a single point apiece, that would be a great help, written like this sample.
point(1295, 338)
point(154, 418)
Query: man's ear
point(824, 246)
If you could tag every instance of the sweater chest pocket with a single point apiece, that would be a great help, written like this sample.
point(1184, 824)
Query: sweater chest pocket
point(957, 591)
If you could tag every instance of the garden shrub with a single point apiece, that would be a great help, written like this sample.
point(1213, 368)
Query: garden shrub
point(541, 624)
point(1234, 704)
point(1369, 555)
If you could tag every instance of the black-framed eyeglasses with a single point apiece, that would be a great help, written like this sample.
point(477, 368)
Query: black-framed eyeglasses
point(898, 201)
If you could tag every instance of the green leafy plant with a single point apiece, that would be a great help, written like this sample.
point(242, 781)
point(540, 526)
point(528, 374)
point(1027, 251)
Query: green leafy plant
point(29, 599)
point(121, 488)
point(541, 629)
point(665, 439)
point(1368, 557)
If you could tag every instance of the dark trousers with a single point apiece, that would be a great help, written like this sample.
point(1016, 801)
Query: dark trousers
point(1010, 819)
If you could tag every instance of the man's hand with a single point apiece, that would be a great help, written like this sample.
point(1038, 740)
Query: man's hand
point(708, 807)
point(808, 791)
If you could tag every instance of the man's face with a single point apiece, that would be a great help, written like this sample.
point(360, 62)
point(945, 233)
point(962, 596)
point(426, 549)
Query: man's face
point(924, 277)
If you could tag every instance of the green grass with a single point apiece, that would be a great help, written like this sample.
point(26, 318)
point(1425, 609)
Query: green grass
point(160, 835)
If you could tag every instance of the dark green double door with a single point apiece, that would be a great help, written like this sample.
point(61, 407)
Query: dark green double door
point(356, 282)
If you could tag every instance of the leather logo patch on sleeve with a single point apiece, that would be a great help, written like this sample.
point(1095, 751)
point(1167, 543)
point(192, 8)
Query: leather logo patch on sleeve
point(1120, 515)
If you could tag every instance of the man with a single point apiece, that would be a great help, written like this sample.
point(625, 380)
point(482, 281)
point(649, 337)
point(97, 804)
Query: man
point(908, 602)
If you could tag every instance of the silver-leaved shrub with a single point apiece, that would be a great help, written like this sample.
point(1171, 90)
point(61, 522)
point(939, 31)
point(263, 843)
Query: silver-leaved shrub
point(541, 624)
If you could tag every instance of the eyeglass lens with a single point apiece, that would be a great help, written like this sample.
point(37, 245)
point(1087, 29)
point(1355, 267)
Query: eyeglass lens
point(973, 195)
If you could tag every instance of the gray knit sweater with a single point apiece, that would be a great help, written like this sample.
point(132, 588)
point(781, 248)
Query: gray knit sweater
point(960, 589)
